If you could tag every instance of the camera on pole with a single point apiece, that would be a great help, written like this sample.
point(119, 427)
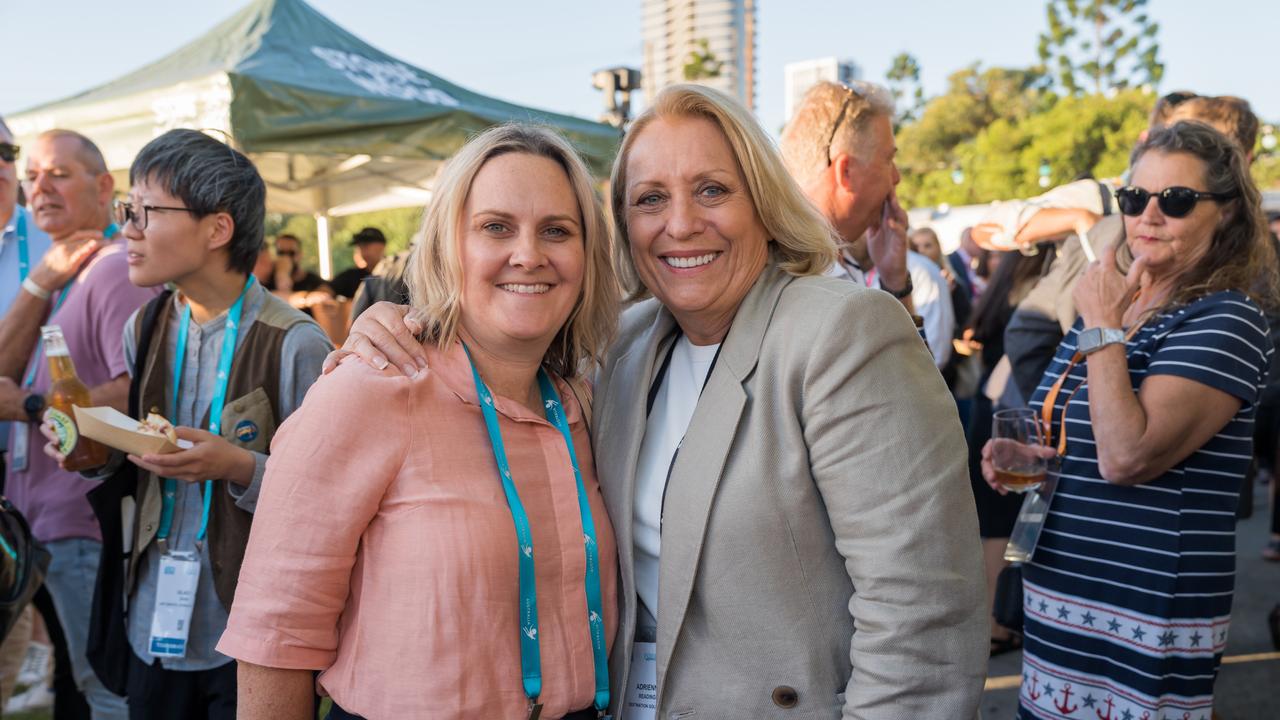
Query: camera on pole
point(617, 84)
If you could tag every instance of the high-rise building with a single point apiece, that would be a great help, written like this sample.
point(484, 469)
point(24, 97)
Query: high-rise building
point(805, 74)
point(677, 33)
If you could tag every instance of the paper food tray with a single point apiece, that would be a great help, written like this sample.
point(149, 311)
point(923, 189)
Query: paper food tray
point(115, 429)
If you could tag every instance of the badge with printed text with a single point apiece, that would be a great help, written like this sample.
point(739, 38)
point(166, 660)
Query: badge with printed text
point(20, 446)
point(642, 683)
point(175, 599)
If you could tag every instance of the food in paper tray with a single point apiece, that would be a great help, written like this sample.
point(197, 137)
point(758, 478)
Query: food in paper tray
point(158, 426)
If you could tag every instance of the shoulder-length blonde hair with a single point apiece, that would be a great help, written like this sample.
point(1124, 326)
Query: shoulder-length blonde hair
point(1241, 254)
point(804, 243)
point(434, 274)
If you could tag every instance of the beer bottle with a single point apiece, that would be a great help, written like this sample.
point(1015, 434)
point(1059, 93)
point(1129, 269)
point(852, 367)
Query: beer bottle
point(66, 390)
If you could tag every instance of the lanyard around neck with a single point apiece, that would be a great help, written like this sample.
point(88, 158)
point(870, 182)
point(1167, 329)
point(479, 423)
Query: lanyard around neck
point(225, 356)
point(530, 658)
point(24, 267)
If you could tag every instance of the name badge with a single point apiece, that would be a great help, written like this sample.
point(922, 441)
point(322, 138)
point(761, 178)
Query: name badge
point(642, 686)
point(175, 599)
point(20, 446)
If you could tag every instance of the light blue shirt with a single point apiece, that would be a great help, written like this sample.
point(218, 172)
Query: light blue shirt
point(302, 354)
point(10, 281)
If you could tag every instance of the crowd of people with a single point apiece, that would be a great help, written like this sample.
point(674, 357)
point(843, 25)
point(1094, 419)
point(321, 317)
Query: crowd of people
point(723, 449)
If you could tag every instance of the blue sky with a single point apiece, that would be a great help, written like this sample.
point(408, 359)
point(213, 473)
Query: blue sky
point(542, 53)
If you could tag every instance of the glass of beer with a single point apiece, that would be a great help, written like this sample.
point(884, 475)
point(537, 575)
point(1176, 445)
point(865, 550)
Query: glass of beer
point(1017, 440)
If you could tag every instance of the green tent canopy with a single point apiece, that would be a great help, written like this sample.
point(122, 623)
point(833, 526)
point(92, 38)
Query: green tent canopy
point(335, 125)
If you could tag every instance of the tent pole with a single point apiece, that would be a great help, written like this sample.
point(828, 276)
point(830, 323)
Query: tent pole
point(322, 236)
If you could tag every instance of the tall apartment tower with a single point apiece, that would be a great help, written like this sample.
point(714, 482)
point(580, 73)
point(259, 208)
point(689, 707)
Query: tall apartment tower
point(800, 76)
point(673, 30)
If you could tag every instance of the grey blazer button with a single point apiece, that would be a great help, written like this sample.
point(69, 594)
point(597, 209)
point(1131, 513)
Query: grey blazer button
point(238, 407)
point(785, 696)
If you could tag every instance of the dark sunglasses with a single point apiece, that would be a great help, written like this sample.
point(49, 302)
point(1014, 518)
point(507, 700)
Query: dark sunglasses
point(1174, 202)
point(287, 253)
point(9, 152)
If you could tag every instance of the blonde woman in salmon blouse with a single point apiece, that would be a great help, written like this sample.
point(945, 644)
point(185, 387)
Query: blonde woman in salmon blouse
point(436, 545)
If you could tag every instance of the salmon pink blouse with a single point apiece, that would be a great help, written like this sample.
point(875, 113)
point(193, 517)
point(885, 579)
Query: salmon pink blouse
point(383, 552)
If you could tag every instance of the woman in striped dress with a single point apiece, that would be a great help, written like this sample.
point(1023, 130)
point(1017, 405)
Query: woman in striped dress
point(1150, 404)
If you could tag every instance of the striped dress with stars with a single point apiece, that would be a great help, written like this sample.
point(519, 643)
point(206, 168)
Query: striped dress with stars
point(1128, 597)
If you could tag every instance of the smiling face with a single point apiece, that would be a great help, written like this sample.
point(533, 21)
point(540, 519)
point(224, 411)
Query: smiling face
point(1171, 246)
point(520, 242)
point(65, 195)
point(696, 240)
point(175, 244)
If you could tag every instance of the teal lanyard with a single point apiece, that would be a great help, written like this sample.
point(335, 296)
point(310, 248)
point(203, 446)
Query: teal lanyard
point(169, 493)
point(530, 659)
point(24, 267)
point(24, 252)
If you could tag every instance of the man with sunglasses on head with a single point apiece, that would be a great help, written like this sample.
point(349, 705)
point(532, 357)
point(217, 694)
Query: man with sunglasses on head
point(81, 285)
point(1085, 209)
point(839, 147)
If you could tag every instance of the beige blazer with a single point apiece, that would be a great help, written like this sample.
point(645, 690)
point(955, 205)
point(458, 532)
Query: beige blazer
point(825, 454)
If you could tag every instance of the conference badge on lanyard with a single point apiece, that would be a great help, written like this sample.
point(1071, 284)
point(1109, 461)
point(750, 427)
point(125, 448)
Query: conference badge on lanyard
point(180, 571)
point(175, 599)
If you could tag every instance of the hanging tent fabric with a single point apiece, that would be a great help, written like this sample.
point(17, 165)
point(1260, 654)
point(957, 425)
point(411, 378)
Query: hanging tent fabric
point(335, 125)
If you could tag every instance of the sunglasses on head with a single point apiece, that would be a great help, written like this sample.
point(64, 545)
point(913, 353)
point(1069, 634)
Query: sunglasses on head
point(9, 152)
point(1174, 202)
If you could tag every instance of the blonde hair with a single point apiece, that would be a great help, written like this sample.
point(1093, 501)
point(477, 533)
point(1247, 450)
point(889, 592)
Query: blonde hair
point(804, 242)
point(832, 118)
point(434, 274)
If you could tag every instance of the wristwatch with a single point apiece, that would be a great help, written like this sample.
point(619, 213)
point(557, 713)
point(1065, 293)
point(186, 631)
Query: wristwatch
point(900, 294)
point(34, 404)
point(1094, 339)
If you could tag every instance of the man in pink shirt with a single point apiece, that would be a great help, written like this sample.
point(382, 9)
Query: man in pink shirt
point(91, 299)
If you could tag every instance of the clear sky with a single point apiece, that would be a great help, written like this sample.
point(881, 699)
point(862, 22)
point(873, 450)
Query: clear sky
point(542, 53)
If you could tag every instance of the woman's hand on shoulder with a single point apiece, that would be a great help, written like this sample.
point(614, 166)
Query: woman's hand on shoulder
point(384, 334)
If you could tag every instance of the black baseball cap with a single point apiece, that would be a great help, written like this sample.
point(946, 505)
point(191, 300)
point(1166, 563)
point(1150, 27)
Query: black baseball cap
point(369, 235)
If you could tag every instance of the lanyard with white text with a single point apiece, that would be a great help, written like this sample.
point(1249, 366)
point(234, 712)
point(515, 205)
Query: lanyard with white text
point(24, 252)
point(227, 354)
point(530, 659)
point(24, 266)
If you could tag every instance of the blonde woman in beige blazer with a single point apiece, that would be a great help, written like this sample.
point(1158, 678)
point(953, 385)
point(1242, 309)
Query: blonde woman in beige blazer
point(782, 463)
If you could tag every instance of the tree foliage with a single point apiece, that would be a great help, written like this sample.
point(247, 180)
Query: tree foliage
point(701, 63)
point(904, 84)
point(987, 136)
point(1100, 45)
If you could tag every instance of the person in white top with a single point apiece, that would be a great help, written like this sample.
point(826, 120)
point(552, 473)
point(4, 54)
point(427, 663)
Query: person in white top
point(930, 298)
point(678, 389)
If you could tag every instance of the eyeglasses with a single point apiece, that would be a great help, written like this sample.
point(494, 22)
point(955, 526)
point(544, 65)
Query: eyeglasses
point(1174, 202)
point(9, 152)
point(126, 213)
point(287, 253)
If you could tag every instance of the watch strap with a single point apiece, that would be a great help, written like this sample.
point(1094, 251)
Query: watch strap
point(899, 294)
point(34, 405)
point(1094, 339)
